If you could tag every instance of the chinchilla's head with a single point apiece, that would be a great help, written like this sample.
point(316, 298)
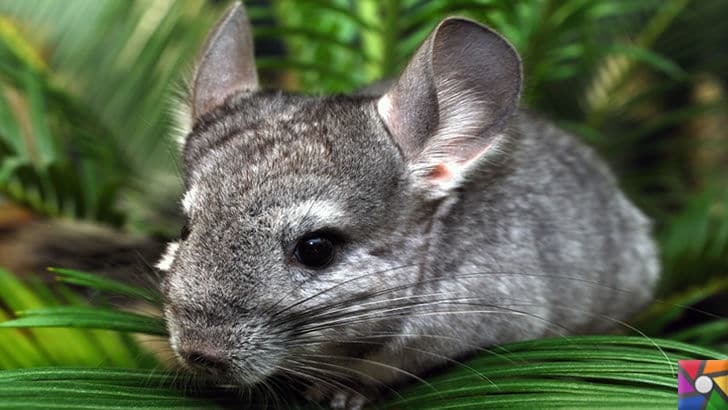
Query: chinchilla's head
point(302, 210)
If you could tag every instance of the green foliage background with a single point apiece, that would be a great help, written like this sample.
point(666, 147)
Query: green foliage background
point(86, 125)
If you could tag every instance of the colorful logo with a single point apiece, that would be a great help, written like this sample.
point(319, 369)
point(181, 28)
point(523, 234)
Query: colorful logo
point(702, 385)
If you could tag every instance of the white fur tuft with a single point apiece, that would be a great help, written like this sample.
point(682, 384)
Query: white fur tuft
point(181, 121)
point(384, 107)
point(166, 262)
point(318, 209)
point(190, 199)
point(180, 109)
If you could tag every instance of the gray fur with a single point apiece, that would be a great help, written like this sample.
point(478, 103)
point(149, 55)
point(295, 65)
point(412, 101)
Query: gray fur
point(533, 238)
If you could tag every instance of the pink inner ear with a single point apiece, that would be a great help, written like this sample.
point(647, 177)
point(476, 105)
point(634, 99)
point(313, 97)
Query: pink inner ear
point(439, 172)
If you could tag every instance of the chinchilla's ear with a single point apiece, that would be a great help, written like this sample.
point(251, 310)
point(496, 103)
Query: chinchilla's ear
point(452, 102)
point(227, 63)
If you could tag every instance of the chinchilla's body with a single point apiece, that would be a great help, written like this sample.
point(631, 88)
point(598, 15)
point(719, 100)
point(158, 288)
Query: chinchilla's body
point(359, 241)
point(356, 242)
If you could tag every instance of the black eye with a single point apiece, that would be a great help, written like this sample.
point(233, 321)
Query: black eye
point(185, 232)
point(315, 251)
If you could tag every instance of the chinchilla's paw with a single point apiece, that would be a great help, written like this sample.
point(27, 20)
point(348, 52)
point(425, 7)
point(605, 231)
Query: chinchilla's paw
point(347, 399)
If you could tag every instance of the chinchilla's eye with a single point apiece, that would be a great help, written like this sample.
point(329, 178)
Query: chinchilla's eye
point(316, 251)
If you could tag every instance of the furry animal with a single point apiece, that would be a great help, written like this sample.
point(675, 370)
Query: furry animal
point(359, 241)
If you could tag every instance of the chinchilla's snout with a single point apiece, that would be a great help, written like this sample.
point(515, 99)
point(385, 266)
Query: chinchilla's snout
point(239, 349)
point(204, 356)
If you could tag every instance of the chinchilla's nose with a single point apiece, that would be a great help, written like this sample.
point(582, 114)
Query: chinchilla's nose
point(205, 359)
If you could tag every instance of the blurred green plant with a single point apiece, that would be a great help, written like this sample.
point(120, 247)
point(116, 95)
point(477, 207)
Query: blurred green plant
point(52, 161)
point(86, 102)
point(61, 347)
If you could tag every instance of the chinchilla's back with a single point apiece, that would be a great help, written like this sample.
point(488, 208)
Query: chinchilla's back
point(553, 227)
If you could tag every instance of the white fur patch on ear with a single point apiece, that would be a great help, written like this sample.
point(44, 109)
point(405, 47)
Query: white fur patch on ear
point(166, 262)
point(384, 108)
point(190, 199)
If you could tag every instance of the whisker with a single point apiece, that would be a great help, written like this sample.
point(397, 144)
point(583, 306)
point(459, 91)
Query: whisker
point(451, 278)
point(306, 299)
point(348, 318)
point(301, 363)
point(313, 317)
point(375, 363)
point(346, 369)
point(439, 356)
point(335, 385)
point(628, 326)
point(276, 394)
point(405, 286)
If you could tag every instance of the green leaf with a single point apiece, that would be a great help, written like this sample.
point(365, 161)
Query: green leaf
point(705, 334)
point(88, 317)
point(101, 388)
point(96, 281)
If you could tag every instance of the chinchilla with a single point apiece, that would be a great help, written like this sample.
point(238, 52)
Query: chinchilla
point(359, 241)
